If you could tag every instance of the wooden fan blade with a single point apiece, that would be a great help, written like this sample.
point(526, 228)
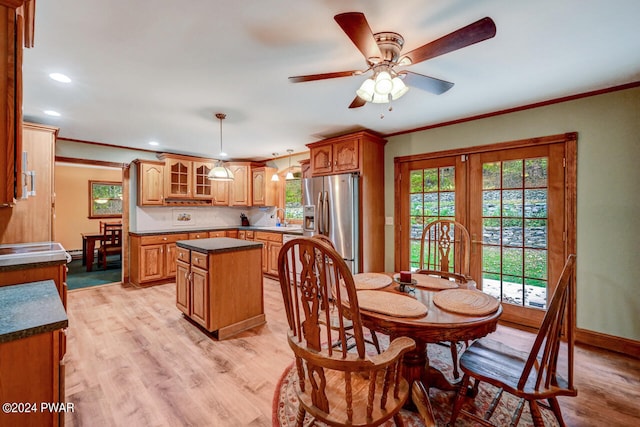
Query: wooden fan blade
point(473, 33)
point(426, 83)
point(357, 102)
point(312, 77)
point(355, 25)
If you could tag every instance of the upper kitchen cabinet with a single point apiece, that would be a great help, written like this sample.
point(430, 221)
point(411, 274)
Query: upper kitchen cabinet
point(264, 189)
point(150, 183)
point(240, 189)
point(16, 32)
point(355, 152)
point(186, 178)
point(31, 218)
point(220, 193)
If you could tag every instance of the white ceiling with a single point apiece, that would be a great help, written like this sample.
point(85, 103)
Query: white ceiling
point(159, 69)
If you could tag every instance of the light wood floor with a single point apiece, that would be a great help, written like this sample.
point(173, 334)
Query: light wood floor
point(133, 360)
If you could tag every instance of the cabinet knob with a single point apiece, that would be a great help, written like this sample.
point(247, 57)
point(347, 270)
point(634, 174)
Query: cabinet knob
point(164, 238)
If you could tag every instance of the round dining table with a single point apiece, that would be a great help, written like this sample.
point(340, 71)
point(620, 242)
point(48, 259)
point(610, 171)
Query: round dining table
point(436, 326)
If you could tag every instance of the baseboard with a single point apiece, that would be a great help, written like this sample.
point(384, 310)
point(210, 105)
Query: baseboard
point(625, 346)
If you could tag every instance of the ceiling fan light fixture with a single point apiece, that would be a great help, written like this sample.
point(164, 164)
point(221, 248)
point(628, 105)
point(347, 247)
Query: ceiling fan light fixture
point(383, 83)
point(366, 90)
point(399, 88)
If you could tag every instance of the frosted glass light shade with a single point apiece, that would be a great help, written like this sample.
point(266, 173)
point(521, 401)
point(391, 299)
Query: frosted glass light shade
point(275, 177)
point(399, 88)
point(366, 90)
point(289, 175)
point(220, 173)
point(383, 83)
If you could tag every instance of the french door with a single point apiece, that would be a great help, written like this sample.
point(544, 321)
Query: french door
point(515, 200)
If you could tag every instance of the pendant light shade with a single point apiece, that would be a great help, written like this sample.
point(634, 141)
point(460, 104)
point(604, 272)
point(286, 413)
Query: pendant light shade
point(289, 173)
point(275, 177)
point(220, 172)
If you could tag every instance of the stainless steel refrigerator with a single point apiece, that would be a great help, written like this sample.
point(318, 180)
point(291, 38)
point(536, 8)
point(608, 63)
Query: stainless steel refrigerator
point(331, 207)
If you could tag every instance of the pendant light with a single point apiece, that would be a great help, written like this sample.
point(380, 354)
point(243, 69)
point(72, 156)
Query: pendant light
point(220, 172)
point(275, 177)
point(289, 173)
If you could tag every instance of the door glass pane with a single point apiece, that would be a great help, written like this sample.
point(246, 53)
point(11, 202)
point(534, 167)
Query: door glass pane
point(432, 197)
point(515, 226)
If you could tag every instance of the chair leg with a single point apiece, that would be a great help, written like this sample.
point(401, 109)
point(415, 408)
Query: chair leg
point(536, 415)
point(462, 392)
point(555, 407)
point(454, 358)
point(300, 417)
point(398, 420)
point(376, 343)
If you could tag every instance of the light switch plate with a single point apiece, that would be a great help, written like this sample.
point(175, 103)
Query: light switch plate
point(388, 220)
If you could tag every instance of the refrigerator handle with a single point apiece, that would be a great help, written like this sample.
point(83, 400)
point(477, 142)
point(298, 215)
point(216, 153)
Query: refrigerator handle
point(325, 213)
point(319, 213)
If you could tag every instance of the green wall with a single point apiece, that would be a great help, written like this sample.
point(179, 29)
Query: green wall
point(608, 211)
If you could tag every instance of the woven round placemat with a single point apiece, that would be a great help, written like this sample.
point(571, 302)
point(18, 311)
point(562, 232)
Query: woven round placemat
point(391, 304)
point(430, 282)
point(371, 280)
point(466, 301)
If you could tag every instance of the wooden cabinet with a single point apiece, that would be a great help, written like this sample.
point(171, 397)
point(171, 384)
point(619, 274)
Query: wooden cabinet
point(187, 177)
point(202, 185)
point(339, 156)
point(221, 290)
point(241, 188)
point(150, 183)
point(264, 190)
point(220, 193)
point(153, 258)
point(272, 243)
point(16, 32)
point(222, 233)
point(31, 219)
point(363, 153)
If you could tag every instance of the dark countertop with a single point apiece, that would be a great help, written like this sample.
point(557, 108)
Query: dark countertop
point(218, 245)
point(269, 229)
point(30, 309)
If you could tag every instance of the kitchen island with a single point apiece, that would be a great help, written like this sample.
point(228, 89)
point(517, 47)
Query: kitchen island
point(219, 284)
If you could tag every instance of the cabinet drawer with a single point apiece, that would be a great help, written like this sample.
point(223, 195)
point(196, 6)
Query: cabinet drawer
point(199, 259)
point(217, 234)
point(183, 254)
point(163, 238)
point(199, 235)
point(270, 237)
point(249, 235)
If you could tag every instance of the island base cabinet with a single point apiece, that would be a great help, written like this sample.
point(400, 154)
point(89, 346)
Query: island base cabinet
point(223, 292)
point(199, 296)
point(33, 380)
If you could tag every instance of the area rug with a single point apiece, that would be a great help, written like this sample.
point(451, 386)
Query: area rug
point(285, 401)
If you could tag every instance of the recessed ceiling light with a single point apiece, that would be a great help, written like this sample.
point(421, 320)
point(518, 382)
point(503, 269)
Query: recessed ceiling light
point(52, 113)
point(60, 77)
point(154, 143)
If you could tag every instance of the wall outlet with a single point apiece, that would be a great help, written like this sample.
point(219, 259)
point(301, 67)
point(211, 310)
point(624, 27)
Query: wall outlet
point(388, 220)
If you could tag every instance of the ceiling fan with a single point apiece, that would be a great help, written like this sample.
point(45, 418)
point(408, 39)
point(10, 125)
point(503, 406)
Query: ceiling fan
point(382, 53)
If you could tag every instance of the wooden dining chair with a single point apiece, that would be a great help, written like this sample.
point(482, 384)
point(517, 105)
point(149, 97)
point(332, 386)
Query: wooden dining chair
point(530, 376)
point(333, 315)
point(336, 386)
point(445, 252)
point(110, 243)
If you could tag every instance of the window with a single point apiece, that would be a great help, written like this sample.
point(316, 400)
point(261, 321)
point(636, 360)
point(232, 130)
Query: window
point(293, 199)
point(105, 199)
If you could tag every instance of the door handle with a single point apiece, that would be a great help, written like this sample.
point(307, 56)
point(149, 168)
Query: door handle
point(325, 208)
point(319, 213)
